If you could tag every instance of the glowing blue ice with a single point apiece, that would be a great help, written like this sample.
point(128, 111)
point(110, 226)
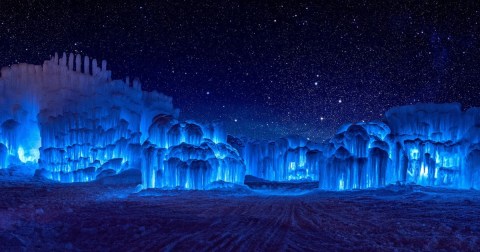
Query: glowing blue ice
point(73, 122)
point(427, 144)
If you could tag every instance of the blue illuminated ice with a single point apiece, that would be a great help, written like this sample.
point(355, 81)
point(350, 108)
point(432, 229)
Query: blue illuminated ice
point(75, 122)
point(71, 122)
point(288, 158)
point(436, 144)
point(426, 144)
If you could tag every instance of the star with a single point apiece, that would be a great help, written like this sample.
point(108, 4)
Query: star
point(282, 68)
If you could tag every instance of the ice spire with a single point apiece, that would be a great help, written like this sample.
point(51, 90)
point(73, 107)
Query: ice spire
point(78, 63)
point(94, 67)
point(86, 66)
point(104, 65)
point(63, 60)
point(55, 58)
point(70, 62)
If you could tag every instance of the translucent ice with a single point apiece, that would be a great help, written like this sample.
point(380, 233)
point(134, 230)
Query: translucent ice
point(75, 122)
point(427, 144)
point(71, 121)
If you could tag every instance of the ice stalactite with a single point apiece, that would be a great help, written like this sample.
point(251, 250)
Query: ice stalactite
point(358, 149)
point(87, 120)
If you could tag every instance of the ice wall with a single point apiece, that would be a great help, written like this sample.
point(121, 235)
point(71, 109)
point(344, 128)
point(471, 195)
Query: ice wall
point(69, 117)
point(435, 144)
point(357, 157)
point(289, 158)
point(71, 121)
point(72, 118)
point(189, 155)
point(427, 144)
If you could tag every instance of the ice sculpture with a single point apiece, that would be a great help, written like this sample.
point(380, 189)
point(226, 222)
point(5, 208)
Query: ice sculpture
point(75, 122)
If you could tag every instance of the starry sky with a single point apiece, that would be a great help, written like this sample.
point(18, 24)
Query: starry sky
point(265, 69)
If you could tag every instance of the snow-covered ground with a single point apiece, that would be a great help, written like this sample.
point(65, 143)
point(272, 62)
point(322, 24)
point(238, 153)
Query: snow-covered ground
point(43, 216)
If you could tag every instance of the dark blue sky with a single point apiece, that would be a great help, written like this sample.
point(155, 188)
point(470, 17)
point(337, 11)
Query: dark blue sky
point(266, 69)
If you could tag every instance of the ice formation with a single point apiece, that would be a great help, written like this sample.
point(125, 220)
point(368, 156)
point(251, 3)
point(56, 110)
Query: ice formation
point(427, 144)
point(435, 144)
point(73, 123)
point(289, 158)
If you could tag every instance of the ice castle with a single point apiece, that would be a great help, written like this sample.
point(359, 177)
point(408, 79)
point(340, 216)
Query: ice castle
point(68, 120)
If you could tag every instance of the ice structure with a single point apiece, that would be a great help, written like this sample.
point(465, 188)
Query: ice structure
point(427, 144)
point(356, 157)
point(288, 158)
point(75, 123)
point(435, 144)
point(72, 123)
point(188, 155)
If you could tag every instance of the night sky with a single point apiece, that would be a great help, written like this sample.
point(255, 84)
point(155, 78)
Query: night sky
point(265, 69)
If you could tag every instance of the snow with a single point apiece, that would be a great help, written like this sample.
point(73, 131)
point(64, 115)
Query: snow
point(41, 215)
